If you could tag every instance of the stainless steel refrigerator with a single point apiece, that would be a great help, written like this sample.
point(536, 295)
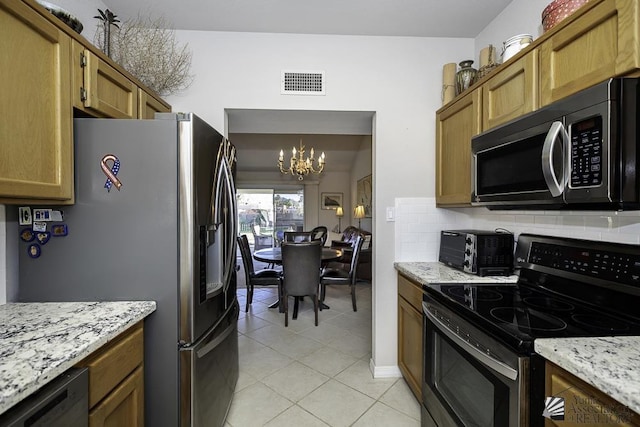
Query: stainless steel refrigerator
point(154, 219)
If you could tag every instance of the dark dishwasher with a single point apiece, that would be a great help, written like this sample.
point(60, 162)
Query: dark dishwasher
point(63, 402)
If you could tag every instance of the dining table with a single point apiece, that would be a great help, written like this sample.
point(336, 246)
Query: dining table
point(274, 256)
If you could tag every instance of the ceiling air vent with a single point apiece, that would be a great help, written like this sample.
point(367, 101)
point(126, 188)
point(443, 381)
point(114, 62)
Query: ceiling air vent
point(302, 82)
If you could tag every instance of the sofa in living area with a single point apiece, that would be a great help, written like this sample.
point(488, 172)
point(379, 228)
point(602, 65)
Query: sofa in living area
point(347, 238)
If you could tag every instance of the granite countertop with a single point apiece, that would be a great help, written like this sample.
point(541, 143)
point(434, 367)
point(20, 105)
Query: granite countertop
point(607, 363)
point(39, 341)
point(436, 272)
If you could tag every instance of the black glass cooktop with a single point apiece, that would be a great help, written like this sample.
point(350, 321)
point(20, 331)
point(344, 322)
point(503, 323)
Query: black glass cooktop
point(518, 313)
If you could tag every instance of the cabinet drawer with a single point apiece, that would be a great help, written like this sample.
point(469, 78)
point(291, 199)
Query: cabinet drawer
point(110, 365)
point(411, 292)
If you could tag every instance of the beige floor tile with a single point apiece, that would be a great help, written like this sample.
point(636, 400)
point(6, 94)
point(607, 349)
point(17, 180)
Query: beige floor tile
point(244, 380)
point(359, 377)
point(295, 381)
point(325, 333)
point(297, 347)
point(336, 404)
point(255, 406)
point(380, 415)
point(328, 361)
point(272, 334)
point(296, 417)
point(400, 397)
point(263, 362)
point(246, 344)
point(251, 323)
point(353, 345)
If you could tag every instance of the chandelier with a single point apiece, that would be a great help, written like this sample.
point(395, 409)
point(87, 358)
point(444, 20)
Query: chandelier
point(299, 165)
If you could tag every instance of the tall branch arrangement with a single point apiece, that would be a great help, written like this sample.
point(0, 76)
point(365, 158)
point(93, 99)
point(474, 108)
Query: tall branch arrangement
point(107, 20)
point(148, 49)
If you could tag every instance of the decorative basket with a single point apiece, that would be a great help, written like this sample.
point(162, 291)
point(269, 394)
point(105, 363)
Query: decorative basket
point(558, 10)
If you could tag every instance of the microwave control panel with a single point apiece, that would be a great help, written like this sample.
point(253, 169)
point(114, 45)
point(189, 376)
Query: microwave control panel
point(586, 153)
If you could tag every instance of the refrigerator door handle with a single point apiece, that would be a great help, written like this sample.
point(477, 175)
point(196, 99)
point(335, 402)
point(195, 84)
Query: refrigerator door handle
point(224, 185)
point(215, 342)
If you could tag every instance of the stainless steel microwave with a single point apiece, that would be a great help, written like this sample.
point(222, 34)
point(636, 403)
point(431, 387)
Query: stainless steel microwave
point(581, 152)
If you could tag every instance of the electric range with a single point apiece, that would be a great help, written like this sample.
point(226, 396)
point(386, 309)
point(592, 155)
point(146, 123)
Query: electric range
point(480, 367)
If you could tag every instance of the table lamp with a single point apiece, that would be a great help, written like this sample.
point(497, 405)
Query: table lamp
point(358, 213)
point(339, 214)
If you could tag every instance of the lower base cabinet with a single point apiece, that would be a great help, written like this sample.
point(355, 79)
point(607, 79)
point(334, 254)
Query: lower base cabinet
point(410, 335)
point(116, 381)
point(584, 405)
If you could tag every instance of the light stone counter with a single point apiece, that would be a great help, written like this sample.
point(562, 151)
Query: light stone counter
point(436, 272)
point(39, 341)
point(609, 363)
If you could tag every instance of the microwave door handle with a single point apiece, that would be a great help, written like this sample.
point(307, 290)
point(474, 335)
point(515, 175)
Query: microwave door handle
point(556, 188)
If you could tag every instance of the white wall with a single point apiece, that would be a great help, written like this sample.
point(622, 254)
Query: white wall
point(519, 17)
point(399, 78)
point(419, 222)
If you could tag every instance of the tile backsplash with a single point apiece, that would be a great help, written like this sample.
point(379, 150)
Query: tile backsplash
point(419, 222)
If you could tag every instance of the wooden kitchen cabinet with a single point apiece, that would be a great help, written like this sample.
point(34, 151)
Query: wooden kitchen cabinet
point(512, 92)
point(47, 71)
point(410, 334)
point(148, 105)
point(584, 405)
point(456, 124)
point(36, 145)
point(116, 381)
point(601, 43)
point(100, 89)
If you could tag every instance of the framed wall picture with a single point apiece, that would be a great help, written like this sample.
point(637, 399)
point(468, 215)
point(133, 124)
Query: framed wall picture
point(330, 200)
point(364, 195)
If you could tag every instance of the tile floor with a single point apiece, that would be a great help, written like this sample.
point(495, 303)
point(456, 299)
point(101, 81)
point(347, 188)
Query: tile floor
point(313, 376)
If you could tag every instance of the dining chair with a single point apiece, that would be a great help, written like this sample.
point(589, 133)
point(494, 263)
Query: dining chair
point(265, 277)
point(300, 275)
point(260, 241)
point(334, 275)
point(297, 236)
point(320, 233)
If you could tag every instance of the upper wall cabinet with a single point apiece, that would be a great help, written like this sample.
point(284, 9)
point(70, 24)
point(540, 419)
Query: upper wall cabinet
point(455, 126)
point(512, 92)
point(100, 89)
point(149, 105)
point(49, 73)
point(601, 43)
point(36, 144)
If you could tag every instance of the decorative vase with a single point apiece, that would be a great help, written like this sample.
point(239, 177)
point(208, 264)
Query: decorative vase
point(466, 76)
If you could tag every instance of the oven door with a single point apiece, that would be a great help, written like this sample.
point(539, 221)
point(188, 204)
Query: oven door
point(465, 382)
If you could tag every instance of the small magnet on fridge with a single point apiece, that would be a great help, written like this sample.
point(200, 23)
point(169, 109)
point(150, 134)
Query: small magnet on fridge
point(24, 215)
point(43, 237)
point(39, 226)
point(34, 250)
point(59, 230)
point(27, 235)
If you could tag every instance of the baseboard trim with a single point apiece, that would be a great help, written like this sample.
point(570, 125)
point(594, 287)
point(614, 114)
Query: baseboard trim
point(384, 371)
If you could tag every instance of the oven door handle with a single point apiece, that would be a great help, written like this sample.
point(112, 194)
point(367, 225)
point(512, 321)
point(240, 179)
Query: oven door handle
point(482, 357)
